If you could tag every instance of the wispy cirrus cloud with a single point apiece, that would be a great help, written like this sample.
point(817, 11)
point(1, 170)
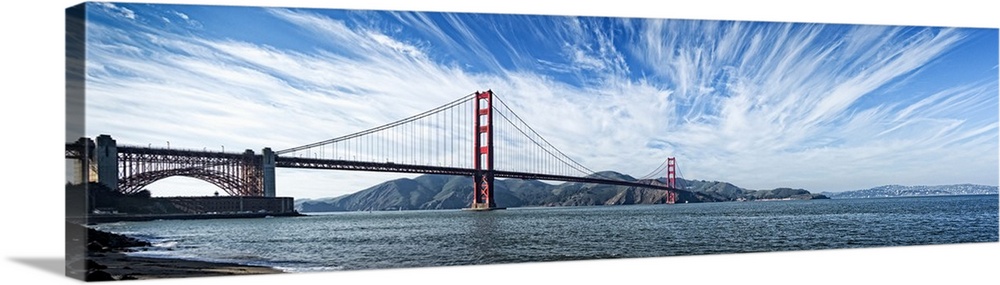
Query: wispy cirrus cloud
point(762, 92)
point(118, 11)
point(762, 105)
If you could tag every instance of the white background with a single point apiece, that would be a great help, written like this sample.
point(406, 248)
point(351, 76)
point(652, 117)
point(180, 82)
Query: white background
point(33, 125)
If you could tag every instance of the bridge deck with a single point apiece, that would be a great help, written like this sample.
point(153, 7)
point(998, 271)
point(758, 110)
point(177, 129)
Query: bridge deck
point(312, 163)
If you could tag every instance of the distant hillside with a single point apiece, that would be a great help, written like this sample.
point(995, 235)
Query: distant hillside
point(724, 191)
point(903, 191)
point(455, 192)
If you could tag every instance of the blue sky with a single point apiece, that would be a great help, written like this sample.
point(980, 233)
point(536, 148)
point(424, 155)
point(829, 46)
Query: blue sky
point(758, 104)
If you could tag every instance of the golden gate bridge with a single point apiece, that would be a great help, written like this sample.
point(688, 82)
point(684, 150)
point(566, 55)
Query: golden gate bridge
point(477, 135)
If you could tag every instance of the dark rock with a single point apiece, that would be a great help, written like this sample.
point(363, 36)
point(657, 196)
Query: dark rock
point(128, 277)
point(93, 265)
point(99, 241)
point(99, 275)
point(96, 246)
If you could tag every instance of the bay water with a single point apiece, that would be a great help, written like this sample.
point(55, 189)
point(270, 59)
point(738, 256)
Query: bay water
point(394, 239)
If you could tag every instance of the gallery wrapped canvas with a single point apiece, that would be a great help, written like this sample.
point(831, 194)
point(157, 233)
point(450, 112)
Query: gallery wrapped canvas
point(212, 140)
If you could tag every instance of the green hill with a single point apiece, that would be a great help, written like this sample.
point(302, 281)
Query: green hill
point(454, 192)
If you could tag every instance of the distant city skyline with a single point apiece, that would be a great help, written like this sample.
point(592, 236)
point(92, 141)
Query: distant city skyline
point(758, 104)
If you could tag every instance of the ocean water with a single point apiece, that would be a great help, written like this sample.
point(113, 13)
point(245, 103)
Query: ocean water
point(367, 240)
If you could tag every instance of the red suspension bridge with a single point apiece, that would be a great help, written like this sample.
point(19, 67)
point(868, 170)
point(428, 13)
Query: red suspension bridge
point(477, 135)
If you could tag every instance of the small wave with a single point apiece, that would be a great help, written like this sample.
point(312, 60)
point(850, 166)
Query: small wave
point(165, 244)
point(296, 266)
point(152, 239)
point(241, 257)
point(159, 254)
point(188, 256)
point(308, 269)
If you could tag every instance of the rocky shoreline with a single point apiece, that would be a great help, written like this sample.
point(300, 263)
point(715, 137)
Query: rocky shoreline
point(94, 255)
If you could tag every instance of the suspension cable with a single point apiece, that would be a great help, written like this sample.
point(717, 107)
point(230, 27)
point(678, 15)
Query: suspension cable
point(589, 171)
point(383, 127)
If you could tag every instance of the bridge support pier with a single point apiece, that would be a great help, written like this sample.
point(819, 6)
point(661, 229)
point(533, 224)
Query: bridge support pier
point(107, 161)
point(267, 164)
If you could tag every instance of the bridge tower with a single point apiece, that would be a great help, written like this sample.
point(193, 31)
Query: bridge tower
point(482, 195)
point(82, 153)
point(671, 180)
point(107, 161)
point(267, 165)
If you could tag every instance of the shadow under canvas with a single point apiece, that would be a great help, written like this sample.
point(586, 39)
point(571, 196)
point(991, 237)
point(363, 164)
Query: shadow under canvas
point(54, 265)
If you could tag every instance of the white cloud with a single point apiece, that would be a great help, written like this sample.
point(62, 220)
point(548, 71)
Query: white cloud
point(128, 13)
point(787, 95)
point(182, 15)
point(761, 106)
point(395, 45)
point(120, 11)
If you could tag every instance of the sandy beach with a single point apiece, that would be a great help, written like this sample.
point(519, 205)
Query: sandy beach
point(101, 256)
point(124, 267)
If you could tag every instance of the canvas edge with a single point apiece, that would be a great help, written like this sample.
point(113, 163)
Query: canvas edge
point(75, 106)
point(76, 238)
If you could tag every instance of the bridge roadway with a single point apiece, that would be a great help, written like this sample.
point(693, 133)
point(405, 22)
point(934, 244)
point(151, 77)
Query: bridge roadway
point(76, 150)
point(210, 158)
point(333, 164)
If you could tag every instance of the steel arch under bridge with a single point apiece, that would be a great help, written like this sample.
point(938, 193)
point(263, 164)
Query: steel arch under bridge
point(129, 169)
point(236, 174)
